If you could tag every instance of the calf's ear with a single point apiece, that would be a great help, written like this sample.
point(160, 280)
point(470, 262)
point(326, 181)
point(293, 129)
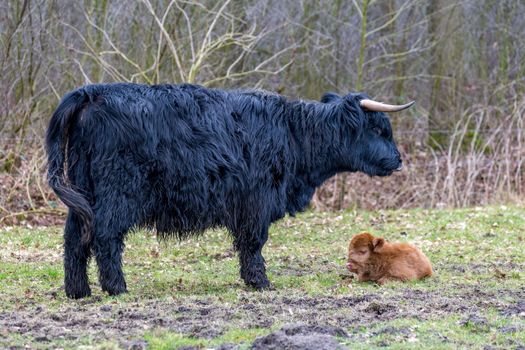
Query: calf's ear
point(378, 243)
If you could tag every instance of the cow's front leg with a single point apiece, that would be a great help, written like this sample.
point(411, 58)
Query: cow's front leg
point(253, 271)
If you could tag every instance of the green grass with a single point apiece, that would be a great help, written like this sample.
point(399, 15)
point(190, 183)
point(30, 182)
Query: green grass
point(182, 291)
point(167, 340)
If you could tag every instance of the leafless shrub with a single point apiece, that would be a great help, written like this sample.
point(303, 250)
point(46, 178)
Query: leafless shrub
point(461, 60)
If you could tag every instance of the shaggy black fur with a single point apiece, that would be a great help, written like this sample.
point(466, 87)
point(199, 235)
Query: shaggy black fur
point(183, 158)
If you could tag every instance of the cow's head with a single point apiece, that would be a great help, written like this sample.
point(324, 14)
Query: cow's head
point(369, 146)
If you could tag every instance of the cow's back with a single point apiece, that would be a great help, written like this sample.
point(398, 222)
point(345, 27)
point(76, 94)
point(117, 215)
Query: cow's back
point(185, 154)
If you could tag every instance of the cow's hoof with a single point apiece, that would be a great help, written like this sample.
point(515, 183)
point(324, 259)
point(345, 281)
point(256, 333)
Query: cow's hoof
point(268, 287)
point(115, 289)
point(261, 285)
point(80, 293)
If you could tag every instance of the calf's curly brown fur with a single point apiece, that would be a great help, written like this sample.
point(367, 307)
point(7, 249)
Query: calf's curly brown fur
point(374, 259)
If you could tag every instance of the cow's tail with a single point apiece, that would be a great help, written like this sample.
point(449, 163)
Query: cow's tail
point(57, 139)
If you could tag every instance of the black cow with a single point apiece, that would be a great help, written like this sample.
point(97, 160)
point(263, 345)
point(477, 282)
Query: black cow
point(184, 158)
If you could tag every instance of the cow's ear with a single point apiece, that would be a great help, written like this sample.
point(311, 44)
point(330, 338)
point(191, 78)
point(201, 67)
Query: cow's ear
point(353, 112)
point(378, 243)
point(330, 97)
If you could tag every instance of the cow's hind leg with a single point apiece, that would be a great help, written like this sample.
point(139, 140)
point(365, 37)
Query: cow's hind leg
point(253, 271)
point(76, 256)
point(108, 244)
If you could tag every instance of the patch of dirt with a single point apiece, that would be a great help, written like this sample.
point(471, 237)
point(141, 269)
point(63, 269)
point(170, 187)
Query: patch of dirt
point(379, 309)
point(135, 344)
point(517, 308)
point(301, 337)
point(393, 330)
point(499, 269)
point(318, 320)
point(476, 322)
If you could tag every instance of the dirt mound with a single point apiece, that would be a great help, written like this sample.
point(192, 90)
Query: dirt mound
point(302, 337)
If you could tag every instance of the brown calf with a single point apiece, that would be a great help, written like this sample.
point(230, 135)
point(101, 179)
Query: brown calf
point(374, 259)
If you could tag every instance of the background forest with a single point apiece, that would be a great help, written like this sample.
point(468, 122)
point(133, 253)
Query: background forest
point(461, 60)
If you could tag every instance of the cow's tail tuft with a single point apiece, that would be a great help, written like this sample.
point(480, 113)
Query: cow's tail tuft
point(57, 138)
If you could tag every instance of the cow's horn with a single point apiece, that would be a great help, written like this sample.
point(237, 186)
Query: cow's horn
point(375, 106)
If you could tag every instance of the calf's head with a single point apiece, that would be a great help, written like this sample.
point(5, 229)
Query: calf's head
point(360, 250)
point(367, 144)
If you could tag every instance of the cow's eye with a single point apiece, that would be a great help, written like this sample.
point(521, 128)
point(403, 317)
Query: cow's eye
point(377, 131)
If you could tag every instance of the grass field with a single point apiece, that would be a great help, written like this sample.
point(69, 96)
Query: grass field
point(189, 294)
